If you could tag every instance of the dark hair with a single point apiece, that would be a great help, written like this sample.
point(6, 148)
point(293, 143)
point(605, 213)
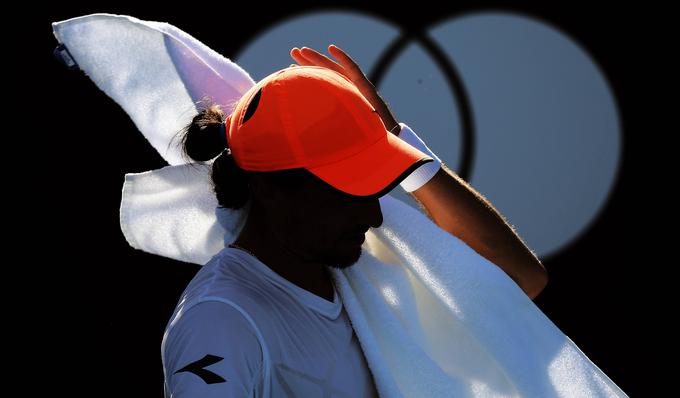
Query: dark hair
point(200, 141)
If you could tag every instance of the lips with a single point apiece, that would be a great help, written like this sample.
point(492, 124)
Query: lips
point(361, 231)
point(357, 238)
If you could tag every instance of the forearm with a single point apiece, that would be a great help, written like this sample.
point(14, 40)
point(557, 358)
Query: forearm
point(459, 209)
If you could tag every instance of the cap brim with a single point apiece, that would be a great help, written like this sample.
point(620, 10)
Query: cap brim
point(374, 171)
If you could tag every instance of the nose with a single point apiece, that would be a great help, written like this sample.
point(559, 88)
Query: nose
point(368, 212)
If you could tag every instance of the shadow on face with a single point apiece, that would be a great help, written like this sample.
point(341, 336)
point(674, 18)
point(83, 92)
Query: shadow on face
point(316, 220)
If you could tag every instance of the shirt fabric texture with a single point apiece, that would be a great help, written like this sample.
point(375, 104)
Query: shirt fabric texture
point(242, 330)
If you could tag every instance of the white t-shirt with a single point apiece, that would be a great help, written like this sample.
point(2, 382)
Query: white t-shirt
point(242, 330)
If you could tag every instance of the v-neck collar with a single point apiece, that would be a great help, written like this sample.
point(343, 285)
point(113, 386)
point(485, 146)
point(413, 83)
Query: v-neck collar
point(317, 303)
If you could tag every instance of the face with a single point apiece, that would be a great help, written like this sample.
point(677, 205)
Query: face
point(322, 224)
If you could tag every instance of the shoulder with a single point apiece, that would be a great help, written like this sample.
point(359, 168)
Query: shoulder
point(213, 346)
point(212, 322)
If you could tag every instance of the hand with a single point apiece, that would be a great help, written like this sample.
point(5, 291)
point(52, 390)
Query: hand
point(350, 69)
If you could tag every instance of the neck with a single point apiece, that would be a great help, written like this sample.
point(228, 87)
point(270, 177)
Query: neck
point(310, 275)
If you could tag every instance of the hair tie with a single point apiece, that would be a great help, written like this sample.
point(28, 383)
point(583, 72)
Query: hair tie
point(223, 134)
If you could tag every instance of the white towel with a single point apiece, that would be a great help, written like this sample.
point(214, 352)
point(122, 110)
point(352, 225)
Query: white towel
point(433, 317)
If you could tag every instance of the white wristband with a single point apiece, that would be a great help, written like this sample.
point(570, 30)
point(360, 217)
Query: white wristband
point(424, 173)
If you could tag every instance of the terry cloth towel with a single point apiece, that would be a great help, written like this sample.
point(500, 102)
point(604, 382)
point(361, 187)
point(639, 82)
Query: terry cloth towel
point(433, 317)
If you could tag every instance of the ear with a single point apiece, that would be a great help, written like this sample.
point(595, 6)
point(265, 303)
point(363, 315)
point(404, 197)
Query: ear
point(263, 191)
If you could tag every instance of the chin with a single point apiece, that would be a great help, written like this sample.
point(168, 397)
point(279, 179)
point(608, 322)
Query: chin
point(346, 258)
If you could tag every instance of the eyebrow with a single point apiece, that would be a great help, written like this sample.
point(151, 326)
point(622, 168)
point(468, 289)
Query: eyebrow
point(338, 193)
point(350, 197)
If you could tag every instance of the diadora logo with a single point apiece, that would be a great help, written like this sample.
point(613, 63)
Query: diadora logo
point(198, 368)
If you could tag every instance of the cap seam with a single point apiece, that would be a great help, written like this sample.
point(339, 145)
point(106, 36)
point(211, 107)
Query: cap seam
point(293, 141)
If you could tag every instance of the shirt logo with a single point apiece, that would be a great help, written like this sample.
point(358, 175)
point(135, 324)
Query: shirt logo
point(197, 368)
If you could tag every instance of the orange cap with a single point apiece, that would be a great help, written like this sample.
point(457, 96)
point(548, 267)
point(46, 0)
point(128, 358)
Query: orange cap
point(315, 118)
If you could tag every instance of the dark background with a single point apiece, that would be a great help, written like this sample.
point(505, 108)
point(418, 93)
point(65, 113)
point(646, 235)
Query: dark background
point(108, 304)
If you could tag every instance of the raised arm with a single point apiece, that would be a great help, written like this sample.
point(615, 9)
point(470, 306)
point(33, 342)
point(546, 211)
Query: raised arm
point(449, 201)
point(455, 206)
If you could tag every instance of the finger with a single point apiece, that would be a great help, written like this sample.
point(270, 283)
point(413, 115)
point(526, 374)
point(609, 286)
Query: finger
point(321, 60)
point(299, 58)
point(345, 59)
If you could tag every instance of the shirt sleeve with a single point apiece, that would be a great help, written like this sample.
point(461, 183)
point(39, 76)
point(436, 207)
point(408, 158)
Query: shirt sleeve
point(212, 351)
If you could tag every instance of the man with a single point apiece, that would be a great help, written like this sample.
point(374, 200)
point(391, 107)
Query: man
point(263, 318)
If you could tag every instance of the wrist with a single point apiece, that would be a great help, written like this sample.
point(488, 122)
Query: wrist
point(425, 172)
